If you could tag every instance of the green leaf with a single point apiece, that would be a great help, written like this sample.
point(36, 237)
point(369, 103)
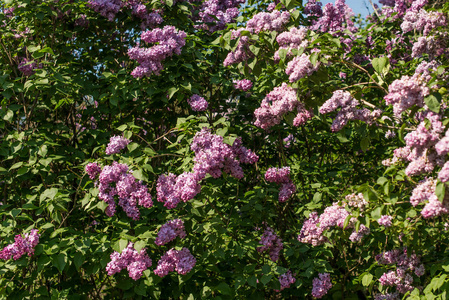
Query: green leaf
point(60, 261)
point(265, 279)
point(140, 245)
point(78, 260)
point(120, 245)
point(380, 65)
point(440, 191)
point(224, 289)
point(432, 103)
point(366, 280)
point(364, 143)
point(376, 213)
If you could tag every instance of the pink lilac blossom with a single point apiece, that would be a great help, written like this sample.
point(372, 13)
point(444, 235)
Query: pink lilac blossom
point(168, 41)
point(335, 19)
point(169, 231)
point(356, 200)
point(286, 280)
point(401, 278)
point(289, 140)
point(93, 169)
point(116, 180)
point(149, 19)
point(240, 54)
point(23, 244)
point(385, 220)
point(281, 176)
point(443, 175)
point(321, 285)
point(278, 102)
point(422, 20)
point(302, 116)
point(426, 69)
point(180, 260)
point(356, 236)
point(198, 103)
point(348, 110)
point(116, 144)
point(435, 208)
point(388, 296)
point(406, 92)
point(27, 67)
point(300, 67)
point(313, 8)
point(243, 85)
point(311, 231)
point(295, 38)
point(106, 8)
point(390, 134)
point(271, 244)
point(212, 156)
point(217, 12)
point(264, 21)
point(135, 262)
point(431, 45)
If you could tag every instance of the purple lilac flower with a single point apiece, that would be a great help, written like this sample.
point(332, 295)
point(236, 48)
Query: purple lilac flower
point(348, 111)
point(385, 220)
point(198, 103)
point(271, 244)
point(168, 41)
point(289, 140)
point(401, 278)
point(264, 21)
point(27, 67)
point(106, 8)
point(275, 105)
point(299, 67)
point(93, 169)
point(311, 232)
point(212, 156)
point(135, 262)
point(217, 12)
point(240, 54)
point(443, 175)
point(295, 38)
point(356, 200)
point(286, 280)
point(149, 19)
point(335, 19)
point(115, 180)
point(422, 20)
point(321, 285)
point(116, 144)
point(281, 176)
point(169, 231)
point(22, 245)
point(243, 85)
point(182, 261)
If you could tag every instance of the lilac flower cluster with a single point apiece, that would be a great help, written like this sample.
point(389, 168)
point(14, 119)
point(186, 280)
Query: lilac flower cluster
point(116, 144)
point(276, 104)
point(335, 215)
point(271, 244)
point(180, 260)
point(169, 231)
point(281, 176)
point(22, 245)
point(27, 67)
point(348, 110)
point(286, 280)
point(401, 278)
point(422, 20)
point(212, 156)
point(321, 285)
point(149, 20)
point(198, 103)
point(431, 45)
point(300, 67)
point(115, 180)
point(385, 220)
point(295, 38)
point(356, 200)
point(219, 13)
point(264, 21)
point(334, 18)
point(168, 41)
point(240, 54)
point(106, 8)
point(243, 85)
point(289, 140)
point(135, 262)
point(313, 8)
point(93, 169)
